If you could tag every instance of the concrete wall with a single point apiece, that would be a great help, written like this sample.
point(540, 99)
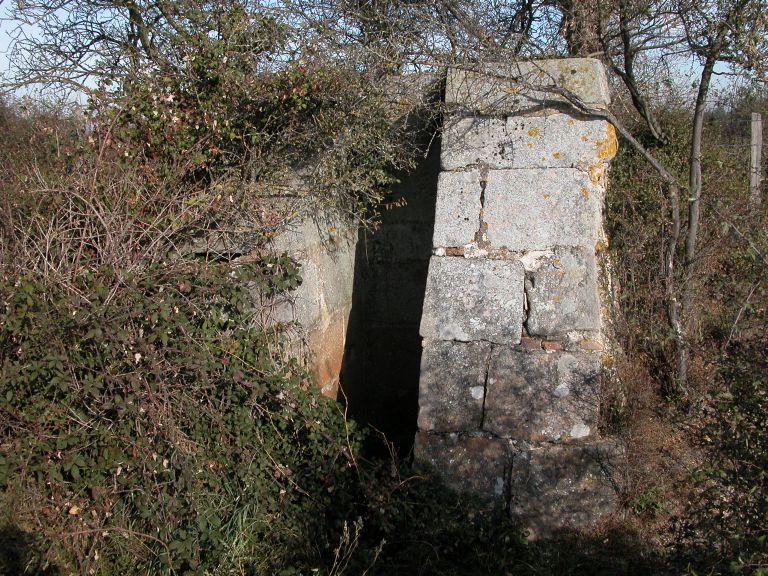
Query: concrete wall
point(324, 245)
point(512, 323)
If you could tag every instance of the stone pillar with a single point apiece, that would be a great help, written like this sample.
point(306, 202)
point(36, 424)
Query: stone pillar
point(509, 393)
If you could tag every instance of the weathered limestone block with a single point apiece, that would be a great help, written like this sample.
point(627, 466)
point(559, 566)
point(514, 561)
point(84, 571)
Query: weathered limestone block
point(536, 209)
point(305, 304)
point(563, 486)
point(467, 464)
point(552, 141)
point(542, 396)
point(470, 299)
point(457, 213)
point(337, 266)
point(327, 345)
point(562, 293)
point(452, 385)
point(516, 86)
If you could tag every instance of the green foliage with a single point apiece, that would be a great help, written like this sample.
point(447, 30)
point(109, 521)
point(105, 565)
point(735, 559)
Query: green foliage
point(732, 490)
point(218, 98)
point(649, 502)
point(149, 423)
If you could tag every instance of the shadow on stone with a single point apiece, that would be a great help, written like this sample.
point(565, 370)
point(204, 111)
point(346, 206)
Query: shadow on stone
point(380, 370)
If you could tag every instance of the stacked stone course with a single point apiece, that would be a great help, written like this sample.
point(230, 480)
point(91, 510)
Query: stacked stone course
point(509, 394)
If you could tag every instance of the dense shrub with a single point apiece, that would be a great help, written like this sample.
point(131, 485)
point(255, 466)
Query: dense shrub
point(708, 470)
point(151, 424)
point(732, 499)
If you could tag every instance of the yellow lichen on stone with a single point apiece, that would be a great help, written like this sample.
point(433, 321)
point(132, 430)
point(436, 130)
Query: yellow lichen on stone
point(606, 149)
point(556, 155)
point(530, 145)
point(584, 191)
point(601, 245)
point(571, 122)
point(546, 196)
point(596, 173)
point(533, 132)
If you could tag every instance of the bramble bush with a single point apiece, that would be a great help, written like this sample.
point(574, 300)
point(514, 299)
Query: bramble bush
point(151, 426)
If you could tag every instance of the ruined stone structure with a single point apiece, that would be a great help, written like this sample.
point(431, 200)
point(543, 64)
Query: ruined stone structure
point(512, 324)
point(512, 319)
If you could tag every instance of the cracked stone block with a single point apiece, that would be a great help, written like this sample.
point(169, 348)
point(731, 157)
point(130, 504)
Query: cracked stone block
point(457, 212)
point(562, 294)
point(472, 299)
point(452, 385)
point(466, 464)
point(542, 396)
point(551, 141)
point(537, 209)
point(555, 487)
point(515, 86)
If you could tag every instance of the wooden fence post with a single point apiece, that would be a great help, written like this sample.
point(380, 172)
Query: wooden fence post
point(755, 162)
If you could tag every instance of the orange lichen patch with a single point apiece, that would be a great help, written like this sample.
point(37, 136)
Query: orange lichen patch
point(606, 149)
point(556, 155)
point(585, 139)
point(596, 173)
point(584, 191)
point(571, 122)
point(533, 132)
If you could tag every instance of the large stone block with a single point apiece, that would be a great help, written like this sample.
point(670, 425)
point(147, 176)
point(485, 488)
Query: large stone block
point(563, 486)
point(537, 209)
point(327, 344)
point(457, 214)
point(468, 300)
point(304, 305)
point(452, 385)
point(467, 464)
point(552, 141)
point(337, 275)
point(562, 293)
point(516, 86)
point(542, 396)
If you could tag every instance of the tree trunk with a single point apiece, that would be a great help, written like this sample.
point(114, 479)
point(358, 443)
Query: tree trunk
point(756, 163)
